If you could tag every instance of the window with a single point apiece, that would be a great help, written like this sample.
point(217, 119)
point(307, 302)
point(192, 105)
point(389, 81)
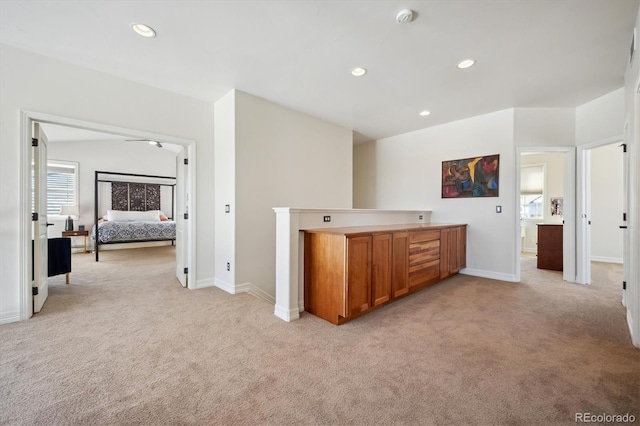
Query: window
point(532, 192)
point(62, 185)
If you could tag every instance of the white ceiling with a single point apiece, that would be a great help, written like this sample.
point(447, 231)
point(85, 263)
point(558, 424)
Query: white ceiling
point(58, 133)
point(530, 53)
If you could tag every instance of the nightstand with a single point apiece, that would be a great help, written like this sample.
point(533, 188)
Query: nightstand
point(84, 234)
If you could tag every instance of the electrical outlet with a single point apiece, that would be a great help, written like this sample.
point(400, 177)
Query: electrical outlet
point(420, 217)
point(327, 218)
point(228, 266)
point(227, 208)
point(498, 209)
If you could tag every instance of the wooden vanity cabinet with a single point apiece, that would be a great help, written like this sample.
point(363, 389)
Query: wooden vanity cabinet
point(350, 271)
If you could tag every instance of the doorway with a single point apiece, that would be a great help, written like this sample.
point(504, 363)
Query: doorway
point(549, 200)
point(603, 195)
point(184, 206)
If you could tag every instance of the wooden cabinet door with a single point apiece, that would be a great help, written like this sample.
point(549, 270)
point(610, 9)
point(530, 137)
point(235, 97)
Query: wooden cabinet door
point(454, 265)
point(550, 247)
point(381, 276)
point(445, 236)
point(462, 247)
point(358, 283)
point(400, 264)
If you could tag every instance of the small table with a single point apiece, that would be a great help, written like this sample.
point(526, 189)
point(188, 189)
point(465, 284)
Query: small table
point(84, 234)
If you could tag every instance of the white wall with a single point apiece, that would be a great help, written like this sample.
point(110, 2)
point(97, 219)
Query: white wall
point(601, 118)
point(37, 83)
point(606, 203)
point(407, 172)
point(115, 156)
point(364, 176)
point(225, 190)
point(534, 127)
point(282, 158)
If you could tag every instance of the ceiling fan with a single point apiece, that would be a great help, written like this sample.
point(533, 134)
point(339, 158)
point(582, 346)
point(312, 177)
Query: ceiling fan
point(156, 143)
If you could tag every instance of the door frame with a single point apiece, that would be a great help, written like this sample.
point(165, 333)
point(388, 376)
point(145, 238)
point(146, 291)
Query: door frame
point(569, 208)
point(27, 118)
point(583, 206)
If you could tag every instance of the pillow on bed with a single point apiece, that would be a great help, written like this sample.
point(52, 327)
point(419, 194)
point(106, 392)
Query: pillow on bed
point(127, 216)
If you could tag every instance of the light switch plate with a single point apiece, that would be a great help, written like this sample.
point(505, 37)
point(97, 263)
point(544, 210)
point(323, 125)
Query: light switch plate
point(498, 209)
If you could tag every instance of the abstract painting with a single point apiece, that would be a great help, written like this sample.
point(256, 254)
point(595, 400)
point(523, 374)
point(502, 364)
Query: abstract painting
point(471, 177)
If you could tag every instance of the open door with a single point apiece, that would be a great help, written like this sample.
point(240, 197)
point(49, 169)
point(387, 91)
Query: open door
point(626, 237)
point(40, 241)
point(182, 214)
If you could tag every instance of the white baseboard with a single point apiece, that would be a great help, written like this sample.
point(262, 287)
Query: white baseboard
point(209, 282)
point(636, 342)
point(607, 259)
point(287, 315)
point(488, 274)
point(261, 294)
point(223, 285)
point(245, 288)
point(7, 317)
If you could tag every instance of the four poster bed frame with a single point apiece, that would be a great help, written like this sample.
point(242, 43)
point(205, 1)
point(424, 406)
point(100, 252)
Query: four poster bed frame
point(126, 201)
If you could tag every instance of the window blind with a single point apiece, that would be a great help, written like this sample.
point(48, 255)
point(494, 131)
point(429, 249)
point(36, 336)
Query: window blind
point(531, 180)
point(61, 186)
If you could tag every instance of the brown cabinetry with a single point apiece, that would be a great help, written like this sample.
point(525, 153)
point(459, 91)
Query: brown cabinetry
point(350, 271)
point(550, 247)
point(381, 263)
point(399, 269)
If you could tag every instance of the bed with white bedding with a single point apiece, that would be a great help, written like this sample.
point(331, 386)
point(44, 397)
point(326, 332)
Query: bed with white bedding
point(134, 215)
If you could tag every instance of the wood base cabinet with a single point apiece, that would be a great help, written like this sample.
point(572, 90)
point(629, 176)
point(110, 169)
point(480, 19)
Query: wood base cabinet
point(550, 247)
point(350, 271)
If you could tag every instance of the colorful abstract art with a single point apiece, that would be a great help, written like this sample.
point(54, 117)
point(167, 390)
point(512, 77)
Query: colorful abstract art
point(471, 177)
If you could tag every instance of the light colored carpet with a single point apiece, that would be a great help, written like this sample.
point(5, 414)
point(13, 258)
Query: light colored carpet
point(125, 344)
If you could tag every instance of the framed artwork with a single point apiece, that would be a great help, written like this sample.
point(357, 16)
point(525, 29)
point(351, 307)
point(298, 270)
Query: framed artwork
point(556, 206)
point(471, 177)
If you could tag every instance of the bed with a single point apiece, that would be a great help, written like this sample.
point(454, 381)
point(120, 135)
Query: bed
point(134, 215)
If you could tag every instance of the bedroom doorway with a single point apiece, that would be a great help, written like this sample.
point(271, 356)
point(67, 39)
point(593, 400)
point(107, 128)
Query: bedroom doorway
point(185, 248)
point(539, 204)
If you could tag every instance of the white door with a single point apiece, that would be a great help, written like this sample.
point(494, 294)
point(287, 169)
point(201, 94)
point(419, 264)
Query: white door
point(569, 218)
point(40, 241)
point(182, 211)
point(626, 238)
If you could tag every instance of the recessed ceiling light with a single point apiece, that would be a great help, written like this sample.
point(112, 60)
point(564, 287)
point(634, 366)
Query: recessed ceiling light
point(358, 71)
point(425, 113)
point(466, 63)
point(143, 30)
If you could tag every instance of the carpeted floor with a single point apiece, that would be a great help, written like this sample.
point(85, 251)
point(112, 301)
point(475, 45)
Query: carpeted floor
point(125, 344)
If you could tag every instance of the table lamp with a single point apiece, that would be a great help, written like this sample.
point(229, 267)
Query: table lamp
point(69, 211)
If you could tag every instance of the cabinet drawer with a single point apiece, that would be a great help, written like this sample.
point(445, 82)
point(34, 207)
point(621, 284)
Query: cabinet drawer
point(418, 236)
point(424, 272)
point(424, 252)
